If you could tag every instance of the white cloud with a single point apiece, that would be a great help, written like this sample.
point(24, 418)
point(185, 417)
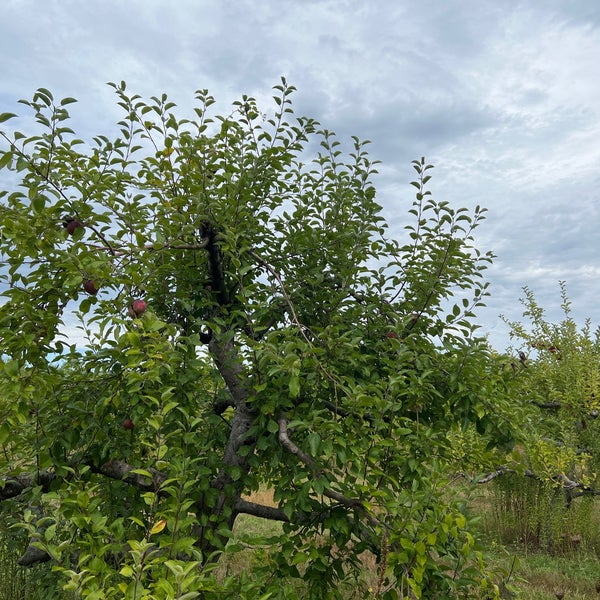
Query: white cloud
point(502, 97)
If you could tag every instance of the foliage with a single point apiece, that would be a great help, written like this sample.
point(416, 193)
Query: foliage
point(284, 341)
point(557, 373)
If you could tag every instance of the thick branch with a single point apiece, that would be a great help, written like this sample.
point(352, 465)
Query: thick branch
point(260, 510)
point(276, 514)
point(32, 556)
point(14, 486)
point(117, 469)
point(230, 368)
point(285, 441)
point(215, 265)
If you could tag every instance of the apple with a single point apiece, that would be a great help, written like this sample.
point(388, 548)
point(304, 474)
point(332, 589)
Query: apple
point(128, 424)
point(391, 335)
point(71, 225)
point(90, 287)
point(137, 308)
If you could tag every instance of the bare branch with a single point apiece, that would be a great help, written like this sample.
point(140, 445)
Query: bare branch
point(561, 479)
point(285, 441)
point(260, 510)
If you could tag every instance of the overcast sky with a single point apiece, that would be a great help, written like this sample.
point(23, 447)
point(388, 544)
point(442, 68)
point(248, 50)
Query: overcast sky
point(502, 96)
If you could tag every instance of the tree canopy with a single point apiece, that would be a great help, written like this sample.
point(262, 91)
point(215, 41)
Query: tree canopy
point(245, 323)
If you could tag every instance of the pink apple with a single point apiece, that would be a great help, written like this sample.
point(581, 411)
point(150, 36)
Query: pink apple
point(137, 308)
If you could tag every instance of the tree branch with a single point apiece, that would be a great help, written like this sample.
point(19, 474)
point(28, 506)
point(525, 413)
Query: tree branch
point(547, 404)
point(566, 483)
point(260, 510)
point(114, 469)
point(118, 469)
point(215, 264)
point(14, 486)
point(285, 441)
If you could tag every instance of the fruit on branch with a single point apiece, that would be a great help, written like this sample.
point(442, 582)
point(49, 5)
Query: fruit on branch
point(71, 225)
point(128, 424)
point(90, 287)
point(137, 308)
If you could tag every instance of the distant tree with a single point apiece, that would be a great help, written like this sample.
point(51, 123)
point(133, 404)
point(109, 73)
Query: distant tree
point(247, 324)
point(556, 371)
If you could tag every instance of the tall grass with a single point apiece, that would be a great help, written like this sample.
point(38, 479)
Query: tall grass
point(20, 583)
point(535, 516)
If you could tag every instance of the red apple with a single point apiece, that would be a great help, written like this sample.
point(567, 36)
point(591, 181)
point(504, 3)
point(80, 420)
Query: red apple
point(137, 308)
point(392, 335)
point(553, 349)
point(72, 225)
point(128, 424)
point(90, 287)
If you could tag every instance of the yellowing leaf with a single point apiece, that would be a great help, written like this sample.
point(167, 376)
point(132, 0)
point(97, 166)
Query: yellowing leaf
point(158, 526)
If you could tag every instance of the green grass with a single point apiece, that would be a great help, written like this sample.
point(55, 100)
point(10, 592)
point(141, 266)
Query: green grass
point(19, 583)
point(539, 575)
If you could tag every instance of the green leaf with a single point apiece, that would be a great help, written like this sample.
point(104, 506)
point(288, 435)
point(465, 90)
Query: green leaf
point(38, 203)
point(6, 116)
point(314, 440)
point(294, 386)
point(11, 368)
point(5, 159)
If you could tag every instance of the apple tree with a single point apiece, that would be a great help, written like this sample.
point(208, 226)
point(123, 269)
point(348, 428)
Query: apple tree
point(555, 369)
point(197, 309)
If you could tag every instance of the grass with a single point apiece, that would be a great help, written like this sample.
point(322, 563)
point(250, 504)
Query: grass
point(539, 575)
point(550, 550)
point(571, 567)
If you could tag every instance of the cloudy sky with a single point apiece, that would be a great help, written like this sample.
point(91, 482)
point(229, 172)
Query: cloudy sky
point(502, 96)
